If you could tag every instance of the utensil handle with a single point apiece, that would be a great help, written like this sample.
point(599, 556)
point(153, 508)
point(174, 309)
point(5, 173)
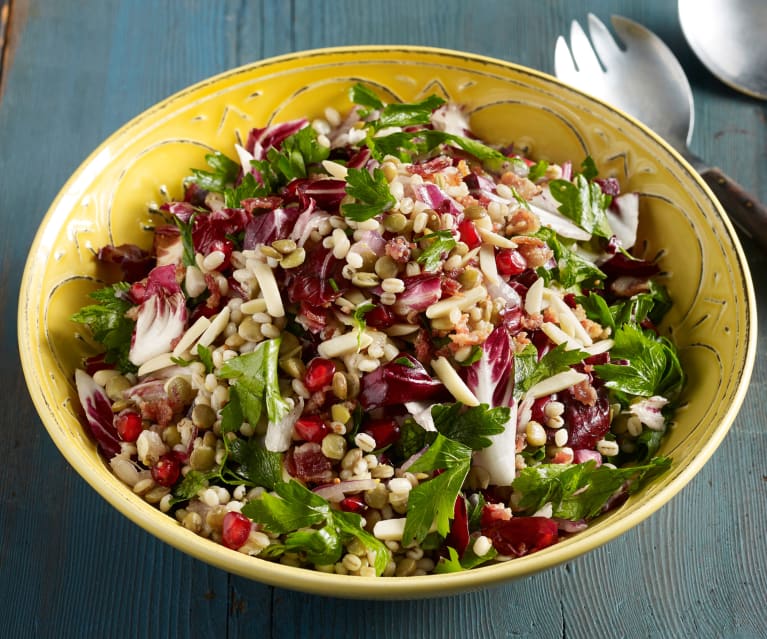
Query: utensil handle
point(745, 211)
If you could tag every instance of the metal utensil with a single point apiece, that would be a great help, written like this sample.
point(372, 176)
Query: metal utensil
point(729, 38)
point(644, 79)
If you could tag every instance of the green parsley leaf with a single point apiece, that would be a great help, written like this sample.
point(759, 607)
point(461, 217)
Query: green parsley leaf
point(474, 356)
point(403, 115)
point(294, 507)
point(440, 242)
point(192, 483)
point(433, 501)
point(109, 325)
point(472, 426)
point(572, 269)
point(452, 563)
point(579, 491)
point(529, 372)
point(223, 175)
point(206, 357)
point(653, 365)
point(371, 192)
point(404, 361)
point(249, 187)
point(254, 464)
point(296, 153)
point(583, 202)
point(255, 382)
point(321, 546)
point(360, 94)
point(589, 168)
point(537, 170)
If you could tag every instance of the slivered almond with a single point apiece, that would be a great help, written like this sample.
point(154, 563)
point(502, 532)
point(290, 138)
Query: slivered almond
point(156, 363)
point(461, 302)
point(534, 298)
point(269, 289)
point(558, 336)
point(487, 263)
point(192, 333)
point(555, 383)
point(453, 382)
point(217, 325)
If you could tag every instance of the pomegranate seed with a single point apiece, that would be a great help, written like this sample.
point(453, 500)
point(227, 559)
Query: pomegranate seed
point(166, 471)
point(353, 504)
point(384, 431)
point(319, 374)
point(226, 247)
point(236, 530)
point(380, 317)
point(469, 235)
point(128, 425)
point(510, 262)
point(311, 428)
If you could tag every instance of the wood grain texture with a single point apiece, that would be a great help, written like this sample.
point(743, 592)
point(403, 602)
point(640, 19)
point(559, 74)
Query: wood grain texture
point(72, 566)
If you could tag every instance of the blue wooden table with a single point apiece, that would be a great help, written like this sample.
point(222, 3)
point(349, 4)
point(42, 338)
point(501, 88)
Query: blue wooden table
point(71, 566)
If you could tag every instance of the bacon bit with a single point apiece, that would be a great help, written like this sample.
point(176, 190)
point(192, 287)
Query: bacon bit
point(268, 203)
point(523, 222)
point(535, 251)
point(449, 287)
point(398, 248)
point(435, 165)
point(465, 336)
point(585, 393)
point(531, 322)
point(494, 512)
point(214, 299)
point(463, 168)
point(550, 316)
point(310, 464)
point(424, 348)
point(521, 185)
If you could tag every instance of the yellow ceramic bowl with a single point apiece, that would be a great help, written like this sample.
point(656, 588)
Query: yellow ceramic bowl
point(713, 320)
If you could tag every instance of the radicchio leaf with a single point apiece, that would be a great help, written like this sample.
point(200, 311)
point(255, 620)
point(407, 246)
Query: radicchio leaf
point(98, 412)
point(318, 280)
point(261, 140)
point(491, 379)
point(421, 291)
point(269, 226)
point(404, 379)
point(161, 318)
point(133, 260)
point(431, 195)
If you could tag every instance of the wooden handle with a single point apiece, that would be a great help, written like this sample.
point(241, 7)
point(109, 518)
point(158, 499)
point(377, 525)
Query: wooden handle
point(745, 211)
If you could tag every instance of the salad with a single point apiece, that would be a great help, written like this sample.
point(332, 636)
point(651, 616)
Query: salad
point(374, 345)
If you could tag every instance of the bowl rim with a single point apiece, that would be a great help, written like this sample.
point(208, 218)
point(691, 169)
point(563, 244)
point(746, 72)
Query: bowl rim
point(317, 582)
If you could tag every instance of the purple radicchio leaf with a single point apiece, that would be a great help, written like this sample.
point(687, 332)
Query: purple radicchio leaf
point(161, 317)
point(269, 226)
point(421, 291)
point(431, 195)
point(404, 379)
point(98, 413)
point(261, 140)
point(491, 379)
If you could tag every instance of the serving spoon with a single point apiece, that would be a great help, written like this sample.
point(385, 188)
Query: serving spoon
point(728, 36)
point(645, 79)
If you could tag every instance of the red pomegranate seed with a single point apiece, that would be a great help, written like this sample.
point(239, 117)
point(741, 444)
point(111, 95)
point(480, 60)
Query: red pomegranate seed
point(319, 374)
point(166, 471)
point(128, 425)
point(380, 317)
point(353, 504)
point(311, 428)
point(510, 262)
point(384, 431)
point(236, 530)
point(469, 235)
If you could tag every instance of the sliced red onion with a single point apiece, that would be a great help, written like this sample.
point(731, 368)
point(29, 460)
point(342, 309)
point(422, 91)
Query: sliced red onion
point(338, 491)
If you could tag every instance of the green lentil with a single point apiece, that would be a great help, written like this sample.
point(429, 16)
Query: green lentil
point(202, 458)
point(203, 416)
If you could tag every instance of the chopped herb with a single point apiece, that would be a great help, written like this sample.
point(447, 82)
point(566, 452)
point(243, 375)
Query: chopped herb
point(223, 175)
point(537, 170)
point(206, 357)
point(109, 325)
point(440, 242)
point(371, 192)
point(470, 425)
point(404, 361)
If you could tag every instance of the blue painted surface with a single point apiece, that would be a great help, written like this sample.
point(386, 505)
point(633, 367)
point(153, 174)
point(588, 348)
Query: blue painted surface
point(71, 566)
